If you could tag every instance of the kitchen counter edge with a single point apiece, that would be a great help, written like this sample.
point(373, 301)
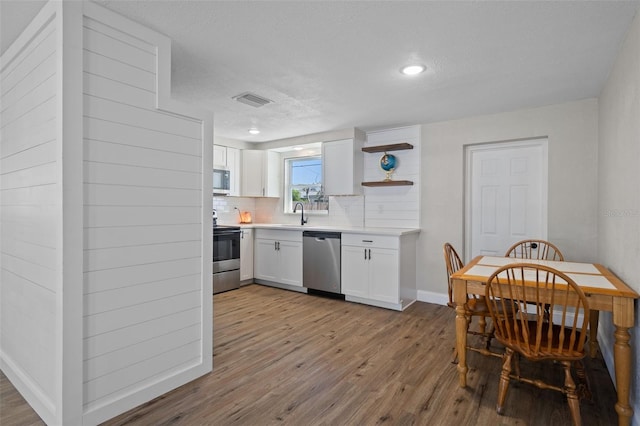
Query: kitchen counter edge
point(328, 228)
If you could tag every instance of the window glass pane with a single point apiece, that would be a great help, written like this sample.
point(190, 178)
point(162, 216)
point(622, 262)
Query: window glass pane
point(305, 184)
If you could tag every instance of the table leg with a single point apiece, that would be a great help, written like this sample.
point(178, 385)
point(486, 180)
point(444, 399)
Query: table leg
point(622, 362)
point(461, 344)
point(460, 299)
point(593, 332)
point(623, 320)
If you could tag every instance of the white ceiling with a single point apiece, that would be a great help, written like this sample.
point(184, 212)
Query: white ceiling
point(332, 65)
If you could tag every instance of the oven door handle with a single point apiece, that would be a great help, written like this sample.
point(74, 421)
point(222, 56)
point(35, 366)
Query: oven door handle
point(225, 233)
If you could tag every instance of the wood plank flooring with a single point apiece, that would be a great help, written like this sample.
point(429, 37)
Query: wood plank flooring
point(282, 357)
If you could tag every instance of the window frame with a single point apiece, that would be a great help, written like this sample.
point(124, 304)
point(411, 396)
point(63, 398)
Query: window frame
point(288, 159)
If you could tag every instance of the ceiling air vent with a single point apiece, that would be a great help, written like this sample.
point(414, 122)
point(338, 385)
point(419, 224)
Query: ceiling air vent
point(252, 99)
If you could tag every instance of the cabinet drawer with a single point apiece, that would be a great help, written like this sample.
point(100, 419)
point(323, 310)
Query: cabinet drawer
point(278, 234)
point(369, 240)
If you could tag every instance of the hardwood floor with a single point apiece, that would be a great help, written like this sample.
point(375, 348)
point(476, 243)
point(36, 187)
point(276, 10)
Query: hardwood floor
point(282, 357)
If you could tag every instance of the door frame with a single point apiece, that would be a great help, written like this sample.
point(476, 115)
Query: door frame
point(470, 149)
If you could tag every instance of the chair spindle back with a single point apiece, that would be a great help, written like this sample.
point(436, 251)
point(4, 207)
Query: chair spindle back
point(517, 297)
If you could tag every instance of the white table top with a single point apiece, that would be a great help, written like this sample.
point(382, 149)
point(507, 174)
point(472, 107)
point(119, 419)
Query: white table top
point(586, 275)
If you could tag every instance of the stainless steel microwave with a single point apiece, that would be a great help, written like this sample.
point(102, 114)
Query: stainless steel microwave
point(221, 182)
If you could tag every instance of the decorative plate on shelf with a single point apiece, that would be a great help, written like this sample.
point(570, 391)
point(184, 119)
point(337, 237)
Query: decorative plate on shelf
point(388, 164)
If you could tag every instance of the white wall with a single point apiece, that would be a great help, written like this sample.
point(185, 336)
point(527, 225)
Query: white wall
point(395, 206)
point(106, 231)
point(572, 212)
point(29, 214)
point(619, 198)
point(147, 258)
point(143, 226)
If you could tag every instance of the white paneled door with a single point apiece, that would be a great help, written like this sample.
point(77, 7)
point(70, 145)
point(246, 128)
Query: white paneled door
point(506, 195)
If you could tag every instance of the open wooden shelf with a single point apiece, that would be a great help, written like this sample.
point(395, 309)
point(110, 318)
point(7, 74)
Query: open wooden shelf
point(388, 183)
point(391, 147)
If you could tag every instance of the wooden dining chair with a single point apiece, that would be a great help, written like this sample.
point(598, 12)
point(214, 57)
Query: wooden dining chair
point(529, 333)
point(476, 306)
point(534, 249)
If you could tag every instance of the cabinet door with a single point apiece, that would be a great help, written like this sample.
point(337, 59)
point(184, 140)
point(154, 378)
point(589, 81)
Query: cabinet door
point(272, 179)
point(266, 260)
point(384, 275)
point(355, 272)
point(252, 173)
point(219, 156)
point(233, 164)
point(342, 168)
point(290, 259)
point(246, 254)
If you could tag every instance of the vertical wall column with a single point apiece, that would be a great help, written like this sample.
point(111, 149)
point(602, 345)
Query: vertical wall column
point(69, 371)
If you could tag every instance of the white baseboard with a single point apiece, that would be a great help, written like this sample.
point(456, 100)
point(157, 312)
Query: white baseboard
point(433, 297)
point(125, 402)
point(30, 391)
point(280, 285)
point(377, 303)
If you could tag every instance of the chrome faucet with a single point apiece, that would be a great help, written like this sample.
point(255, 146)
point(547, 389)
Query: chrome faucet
point(302, 219)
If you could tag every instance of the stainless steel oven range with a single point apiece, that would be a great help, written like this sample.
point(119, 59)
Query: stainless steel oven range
point(226, 258)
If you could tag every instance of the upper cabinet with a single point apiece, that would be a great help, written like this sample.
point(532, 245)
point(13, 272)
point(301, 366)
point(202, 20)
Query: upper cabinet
point(234, 166)
point(229, 158)
point(342, 163)
point(219, 156)
point(261, 173)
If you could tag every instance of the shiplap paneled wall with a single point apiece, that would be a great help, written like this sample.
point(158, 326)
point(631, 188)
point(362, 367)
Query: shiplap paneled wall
point(395, 206)
point(29, 211)
point(143, 177)
point(105, 218)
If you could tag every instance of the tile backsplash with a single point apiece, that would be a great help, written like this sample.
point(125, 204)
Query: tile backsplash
point(225, 207)
point(343, 211)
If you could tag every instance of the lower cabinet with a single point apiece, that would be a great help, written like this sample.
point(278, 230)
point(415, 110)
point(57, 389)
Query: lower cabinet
point(379, 270)
point(246, 256)
point(278, 258)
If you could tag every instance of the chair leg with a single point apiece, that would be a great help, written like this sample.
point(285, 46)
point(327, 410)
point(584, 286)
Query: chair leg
point(482, 323)
point(488, 337)
point(516, 363)
point(583, 387)
point(504, 381)
point(572, 397)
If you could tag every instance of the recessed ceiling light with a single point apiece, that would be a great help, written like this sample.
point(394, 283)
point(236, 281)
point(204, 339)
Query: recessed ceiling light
point(254, 131)
point(412, 69)
point(298, 148)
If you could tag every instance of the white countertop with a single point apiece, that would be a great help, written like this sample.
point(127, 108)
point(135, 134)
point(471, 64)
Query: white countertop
point(329, 228)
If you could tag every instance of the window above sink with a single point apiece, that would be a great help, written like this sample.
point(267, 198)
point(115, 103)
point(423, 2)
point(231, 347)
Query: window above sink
point(303, 181)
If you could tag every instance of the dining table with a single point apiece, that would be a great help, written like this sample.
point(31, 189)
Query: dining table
point(604, 291)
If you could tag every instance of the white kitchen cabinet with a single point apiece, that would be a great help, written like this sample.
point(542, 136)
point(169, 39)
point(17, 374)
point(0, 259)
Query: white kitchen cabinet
point(233, 164)
point(379, 270)
point(278, 258)
point(355, 271)
point(342, 167)
point(219, 156)
point(246, 255)
point(261, 173)
point(229, 158)
point(266, 259)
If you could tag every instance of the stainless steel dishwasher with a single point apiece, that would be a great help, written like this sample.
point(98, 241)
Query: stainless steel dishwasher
point(321, 261)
